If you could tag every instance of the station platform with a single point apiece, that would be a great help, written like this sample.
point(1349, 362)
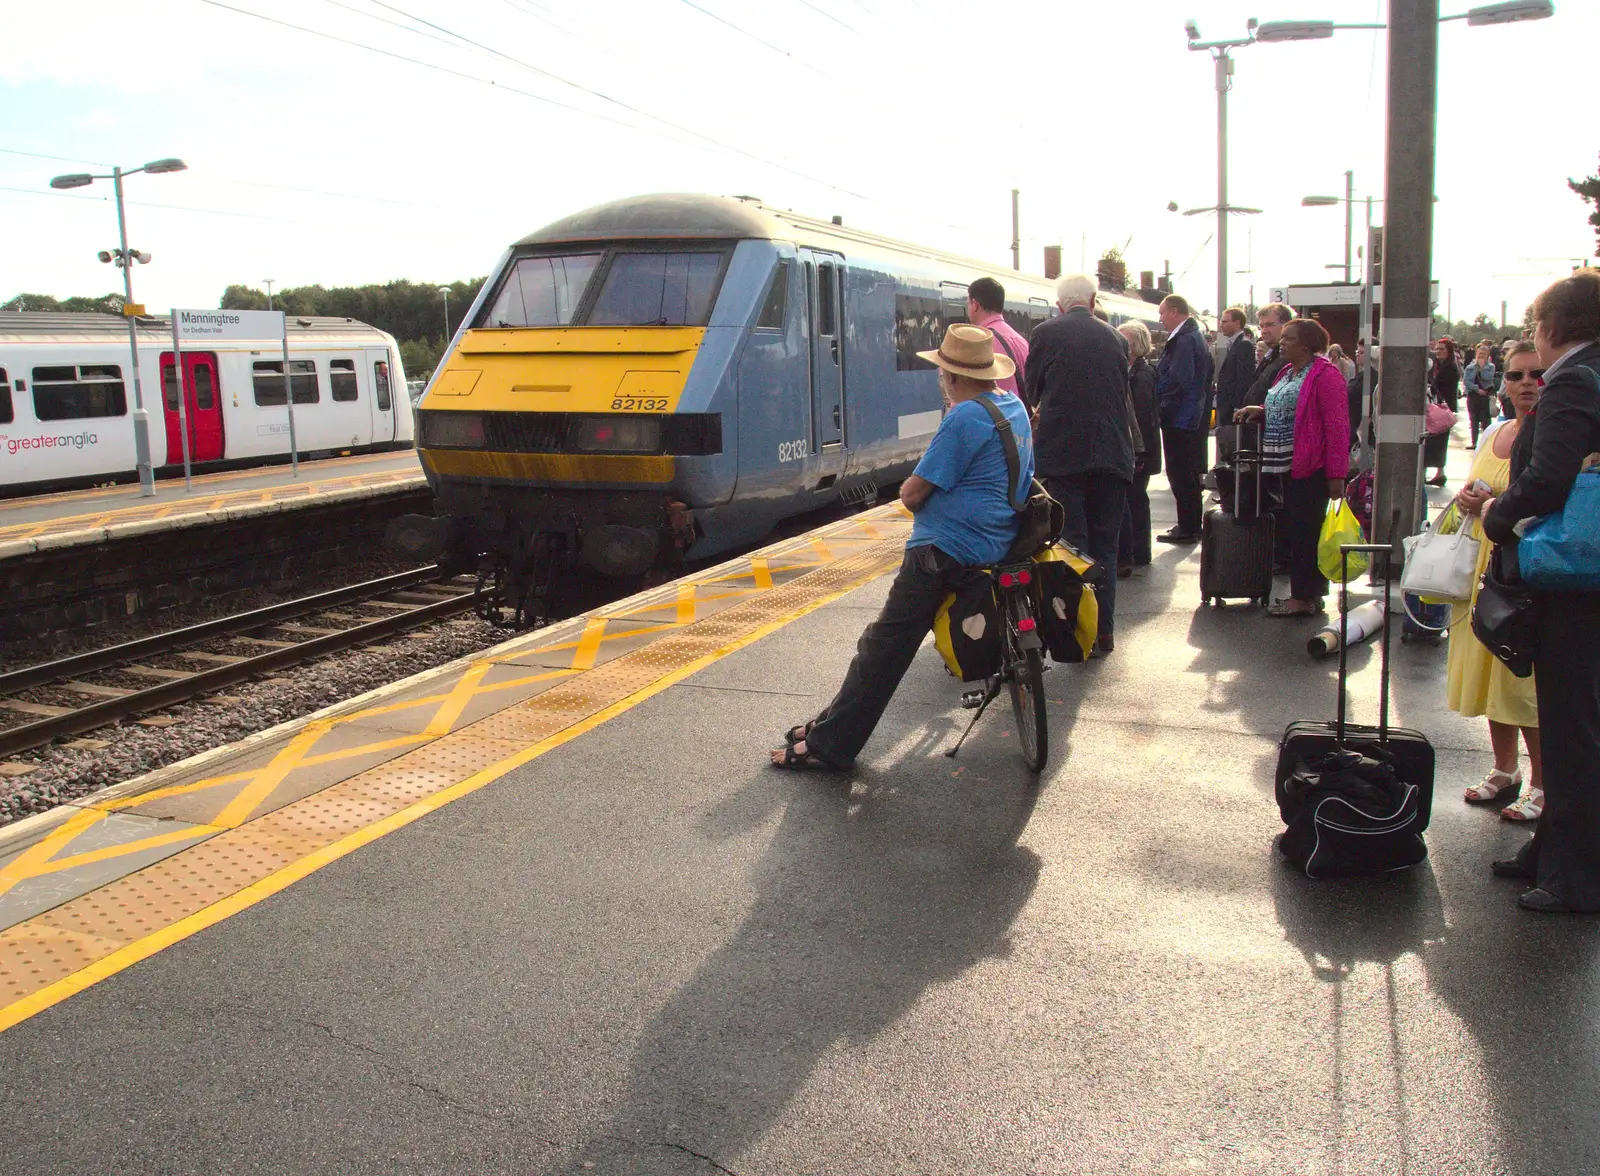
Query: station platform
point(90, 516)
point(548, 910)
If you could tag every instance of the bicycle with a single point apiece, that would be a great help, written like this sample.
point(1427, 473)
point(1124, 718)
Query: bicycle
point(1021, 667)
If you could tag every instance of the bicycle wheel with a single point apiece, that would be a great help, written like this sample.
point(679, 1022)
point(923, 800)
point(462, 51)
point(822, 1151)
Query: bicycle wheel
point(1026, 679)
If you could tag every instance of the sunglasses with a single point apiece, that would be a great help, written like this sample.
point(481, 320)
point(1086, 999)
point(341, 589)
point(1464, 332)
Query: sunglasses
point(1532, 374)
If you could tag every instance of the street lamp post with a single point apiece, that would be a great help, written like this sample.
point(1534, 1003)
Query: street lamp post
point(1222, 61)
point(125, 259)
point(444, 291)
point(270, 283)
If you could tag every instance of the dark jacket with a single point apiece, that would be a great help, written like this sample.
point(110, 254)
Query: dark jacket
point(1358, 403)
point(1444, 384)
point(1266, 376)
point(1183, 376)
point(1142, 383)
point(1562, 430)
point(1077, 376)
point(1234, 377)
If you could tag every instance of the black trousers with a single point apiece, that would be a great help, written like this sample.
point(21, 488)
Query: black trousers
point(1565, 850)
point(1185, 454)
point(884, 653)
point(1094, 504)
point(1134, 545)
point(1305, 505)
point(1480, 413)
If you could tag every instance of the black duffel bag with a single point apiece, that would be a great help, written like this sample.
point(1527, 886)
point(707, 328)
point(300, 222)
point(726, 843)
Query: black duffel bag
point(1347, 813)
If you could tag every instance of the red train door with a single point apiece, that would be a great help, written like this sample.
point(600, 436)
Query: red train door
point(203, 407)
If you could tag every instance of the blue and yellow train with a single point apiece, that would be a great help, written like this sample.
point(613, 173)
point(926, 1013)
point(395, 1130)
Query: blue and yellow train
point(672, 375)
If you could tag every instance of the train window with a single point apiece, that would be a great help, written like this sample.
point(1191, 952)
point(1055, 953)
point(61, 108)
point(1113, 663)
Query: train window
point(205, 391)
point(775, 310)
point(342, 378)
point(67, 393)
point(825, 291)
point(916, 328)
point(7, 415)
point(169, 386)
point(657, 290)
point(380, 382)
point(268, 380)
point(542, 291)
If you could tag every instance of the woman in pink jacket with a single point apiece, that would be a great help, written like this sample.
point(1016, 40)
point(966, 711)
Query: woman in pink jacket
point(1305, 435)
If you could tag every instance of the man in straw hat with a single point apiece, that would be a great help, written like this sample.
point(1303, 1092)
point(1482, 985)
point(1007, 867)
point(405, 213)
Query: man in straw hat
point(960, 496)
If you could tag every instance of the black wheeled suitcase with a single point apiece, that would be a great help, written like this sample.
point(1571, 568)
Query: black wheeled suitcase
point(1355, 799)
point(1236, 544)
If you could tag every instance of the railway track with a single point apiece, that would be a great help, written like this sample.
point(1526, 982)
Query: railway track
point(87, 691)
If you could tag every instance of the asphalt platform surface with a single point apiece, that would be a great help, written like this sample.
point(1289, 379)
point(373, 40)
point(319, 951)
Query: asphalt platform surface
point(646, 952)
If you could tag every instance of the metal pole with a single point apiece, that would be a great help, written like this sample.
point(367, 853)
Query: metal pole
point(288, 398)
point(141, 419)
point(1502, 315)
point(1016, 233)
point(269, 282)
point(183, 397)
point(1407, 265)
point(1224, 65)
point(446, 294)
point(1349, 214)
point(1367, 292)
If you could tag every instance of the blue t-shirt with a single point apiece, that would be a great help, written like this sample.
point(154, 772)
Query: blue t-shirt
point(968, 516)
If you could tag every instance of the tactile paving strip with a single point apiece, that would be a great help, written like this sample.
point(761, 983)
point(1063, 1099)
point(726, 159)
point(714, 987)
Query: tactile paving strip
point(50, 956)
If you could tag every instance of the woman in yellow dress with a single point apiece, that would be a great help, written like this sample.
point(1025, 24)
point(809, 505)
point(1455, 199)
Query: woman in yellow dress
point(1479, 683)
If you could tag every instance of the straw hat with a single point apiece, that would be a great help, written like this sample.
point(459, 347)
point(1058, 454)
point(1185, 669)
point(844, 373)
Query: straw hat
point(969, 351)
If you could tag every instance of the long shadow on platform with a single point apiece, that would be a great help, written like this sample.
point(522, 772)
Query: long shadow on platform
point(868, 895)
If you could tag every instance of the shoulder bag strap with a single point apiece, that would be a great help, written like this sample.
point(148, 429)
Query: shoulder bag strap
point(1008, 442)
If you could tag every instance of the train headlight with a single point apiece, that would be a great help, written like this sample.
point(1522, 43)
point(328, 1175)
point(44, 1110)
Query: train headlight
point(453, 430)
point(617, 434)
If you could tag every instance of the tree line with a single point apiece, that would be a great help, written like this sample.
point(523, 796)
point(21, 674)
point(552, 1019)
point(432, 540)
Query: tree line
point(413, 312)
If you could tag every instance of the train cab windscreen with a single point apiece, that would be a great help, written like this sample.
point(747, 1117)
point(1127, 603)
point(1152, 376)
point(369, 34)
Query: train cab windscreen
point(636, 288)
point(657, 290)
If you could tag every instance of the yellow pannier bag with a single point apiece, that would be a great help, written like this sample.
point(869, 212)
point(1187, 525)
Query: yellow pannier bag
point(1069, 612)
point(966, 630)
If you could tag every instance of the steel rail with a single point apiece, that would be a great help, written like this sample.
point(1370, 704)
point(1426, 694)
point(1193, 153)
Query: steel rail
point(114, 655)
point(101, 714)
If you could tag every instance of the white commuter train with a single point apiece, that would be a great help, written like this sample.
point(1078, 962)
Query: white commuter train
point(66, 397)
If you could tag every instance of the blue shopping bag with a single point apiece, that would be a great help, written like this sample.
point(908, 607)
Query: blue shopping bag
point(1561, 552)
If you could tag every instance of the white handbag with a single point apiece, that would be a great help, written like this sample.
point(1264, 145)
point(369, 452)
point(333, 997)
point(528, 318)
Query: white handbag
point(1441, 566)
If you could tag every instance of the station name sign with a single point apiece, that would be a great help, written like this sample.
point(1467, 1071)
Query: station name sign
point(198, 325)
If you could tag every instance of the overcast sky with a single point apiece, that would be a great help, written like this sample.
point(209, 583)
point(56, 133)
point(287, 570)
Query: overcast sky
point(316, 160)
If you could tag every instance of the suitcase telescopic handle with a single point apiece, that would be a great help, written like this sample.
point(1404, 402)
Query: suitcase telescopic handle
point(1387, 552)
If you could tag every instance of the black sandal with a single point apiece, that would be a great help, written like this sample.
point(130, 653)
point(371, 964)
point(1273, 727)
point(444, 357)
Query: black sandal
point(798, 734)
point(806, 761)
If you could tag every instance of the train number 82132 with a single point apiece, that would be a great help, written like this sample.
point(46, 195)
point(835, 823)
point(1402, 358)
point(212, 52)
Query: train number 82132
point(639, 404)
point(794, 450)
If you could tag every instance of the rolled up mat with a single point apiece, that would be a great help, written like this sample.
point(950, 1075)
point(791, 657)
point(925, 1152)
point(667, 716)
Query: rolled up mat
point(1363, 622)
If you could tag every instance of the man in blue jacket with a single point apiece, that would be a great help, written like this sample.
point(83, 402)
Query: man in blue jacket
point(1182, 377)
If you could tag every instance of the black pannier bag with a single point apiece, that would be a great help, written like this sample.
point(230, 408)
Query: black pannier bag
point(966, 630)
point(1065, 603)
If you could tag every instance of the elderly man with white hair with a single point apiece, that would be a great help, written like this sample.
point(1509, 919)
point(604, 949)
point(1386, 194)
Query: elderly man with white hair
point(1077, 382)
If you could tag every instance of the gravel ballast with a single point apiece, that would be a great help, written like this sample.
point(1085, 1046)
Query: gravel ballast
point(67, 773)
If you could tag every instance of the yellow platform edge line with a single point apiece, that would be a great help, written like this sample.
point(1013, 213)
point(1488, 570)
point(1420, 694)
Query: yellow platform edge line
point(241, 900)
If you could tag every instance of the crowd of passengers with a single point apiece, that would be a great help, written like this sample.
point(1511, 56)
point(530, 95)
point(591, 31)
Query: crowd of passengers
point(1097, 411)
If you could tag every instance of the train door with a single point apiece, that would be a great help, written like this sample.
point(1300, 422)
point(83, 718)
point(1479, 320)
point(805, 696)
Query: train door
point(203, 407)
point(824, 286)
point(383, 393)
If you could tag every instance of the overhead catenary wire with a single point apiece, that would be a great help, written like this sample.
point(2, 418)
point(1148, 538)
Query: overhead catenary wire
point(782, 52)
point(478, 80)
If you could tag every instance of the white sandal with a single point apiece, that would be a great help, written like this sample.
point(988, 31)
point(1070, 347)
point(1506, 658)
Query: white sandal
point(1493, 785)
point(1527, 807)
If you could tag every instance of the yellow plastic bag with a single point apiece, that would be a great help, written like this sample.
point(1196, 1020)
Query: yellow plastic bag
point(1340, 527)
